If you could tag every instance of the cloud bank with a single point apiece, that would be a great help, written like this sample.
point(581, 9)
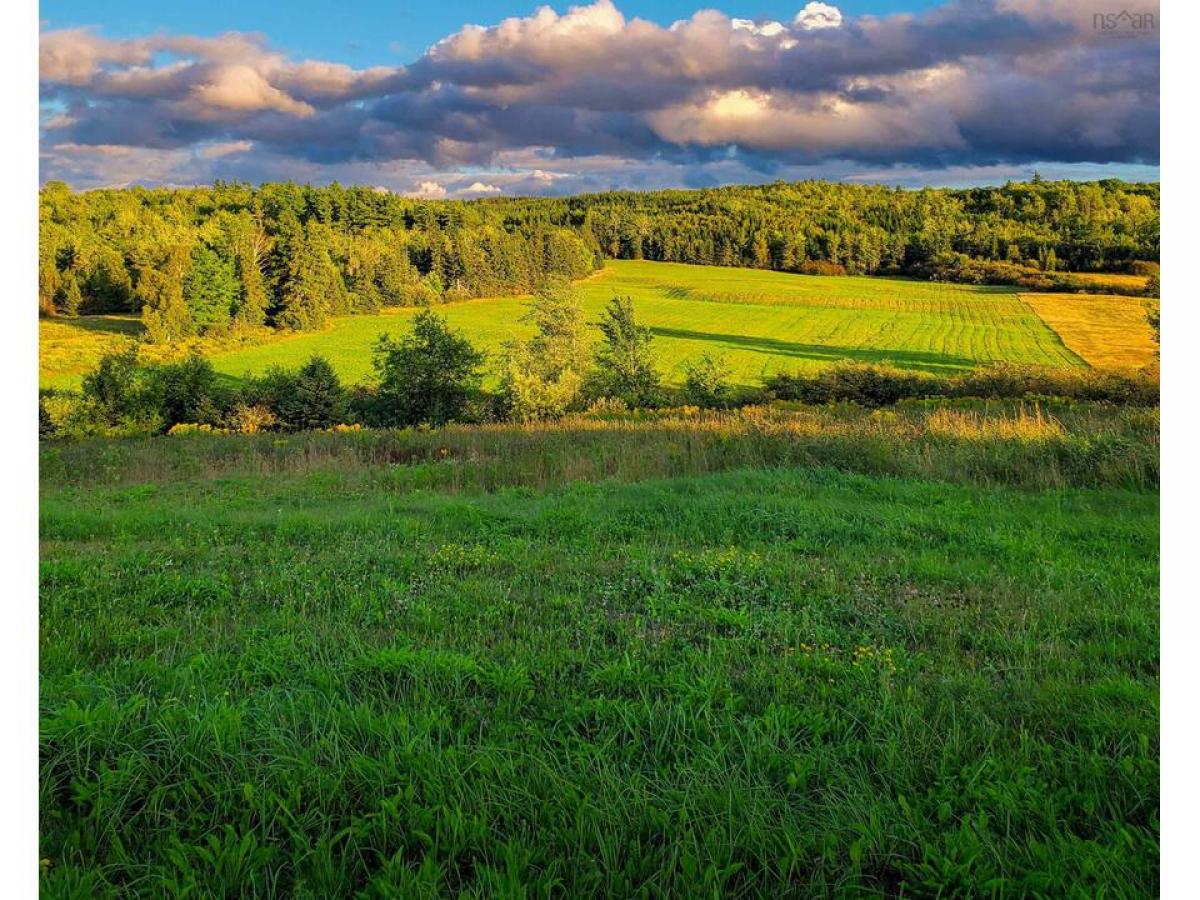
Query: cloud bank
point(552, 103)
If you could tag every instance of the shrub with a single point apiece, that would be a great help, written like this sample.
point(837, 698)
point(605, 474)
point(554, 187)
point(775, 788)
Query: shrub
point(63, 414)
point(624, 363)
point(529, 394)
point(310, 397)
point(112, 387)
point(429, 376)
point(706, 384)
point(247, 418)
point(186, 391)
point(543, 376)
point(879, 385)
point(821, 267)
point(195, 428)
point(868, 384)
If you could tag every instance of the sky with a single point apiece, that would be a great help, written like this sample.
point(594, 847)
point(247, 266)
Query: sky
point(486, 97)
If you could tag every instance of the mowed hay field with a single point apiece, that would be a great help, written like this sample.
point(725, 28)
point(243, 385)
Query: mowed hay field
point(469, 662)
point(1108, 332)
point(761, 322)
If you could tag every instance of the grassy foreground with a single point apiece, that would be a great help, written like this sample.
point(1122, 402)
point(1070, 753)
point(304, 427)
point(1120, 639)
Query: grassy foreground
point(514, 661)
point(760, 321)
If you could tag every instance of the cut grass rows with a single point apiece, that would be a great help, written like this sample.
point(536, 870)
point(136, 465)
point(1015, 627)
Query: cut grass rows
point(760, 321)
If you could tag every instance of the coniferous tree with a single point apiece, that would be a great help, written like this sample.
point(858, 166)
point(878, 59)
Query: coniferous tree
point(319, 400)
point(70, 298)
point(210, 289)
point(312, 284)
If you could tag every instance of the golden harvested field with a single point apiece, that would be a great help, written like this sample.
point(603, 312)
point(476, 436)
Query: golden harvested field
point(1108, 332)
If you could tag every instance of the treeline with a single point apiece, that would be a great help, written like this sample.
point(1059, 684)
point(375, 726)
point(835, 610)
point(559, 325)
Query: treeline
point(433, 376)
point(205, 260)
point(824, 228)
point(195, 260)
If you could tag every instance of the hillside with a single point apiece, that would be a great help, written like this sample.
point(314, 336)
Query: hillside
point(760, 321)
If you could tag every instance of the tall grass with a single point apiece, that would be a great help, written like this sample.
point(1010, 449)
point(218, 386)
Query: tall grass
point(1036, 445)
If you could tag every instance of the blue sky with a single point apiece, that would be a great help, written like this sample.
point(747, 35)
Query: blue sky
point(611, 94)
point(377, 32)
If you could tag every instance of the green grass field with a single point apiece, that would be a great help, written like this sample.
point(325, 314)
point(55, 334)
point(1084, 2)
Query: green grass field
point(762, 322)
point(762, 653)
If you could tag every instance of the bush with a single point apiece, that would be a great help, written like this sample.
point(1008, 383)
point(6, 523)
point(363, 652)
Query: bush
point(187, 391)
point(247, 418)
point(867, 384)
point(821, 267)
point(543, 376)
point(430, 376)
point(194, 428)
point(112, 388)
point(307, 398)
point(880, 385)
point(706, 384)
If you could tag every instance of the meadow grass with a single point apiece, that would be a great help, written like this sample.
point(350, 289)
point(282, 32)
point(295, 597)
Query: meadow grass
point(70, 348)
point(648, 655)
point(1043, 444)
point(1108, 332)
point(760, 321)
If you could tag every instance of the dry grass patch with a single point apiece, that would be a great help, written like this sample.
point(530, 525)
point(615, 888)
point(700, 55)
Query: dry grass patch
point(1108, 332)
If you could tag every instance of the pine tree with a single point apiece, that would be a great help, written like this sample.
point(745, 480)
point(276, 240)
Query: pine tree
point(312, 285)
point(210, 289)
point(250, 249)
point(320, 400)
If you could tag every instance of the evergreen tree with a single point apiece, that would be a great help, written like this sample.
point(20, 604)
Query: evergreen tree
point(70, 298)
point(249, 246)
point(312, 285)
point(210, 289)
point(319, 400)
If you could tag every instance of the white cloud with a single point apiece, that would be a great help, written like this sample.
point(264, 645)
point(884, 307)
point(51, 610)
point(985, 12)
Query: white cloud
point(430, 189)
point(478, 187)
point(590, 94)
point(816, 16)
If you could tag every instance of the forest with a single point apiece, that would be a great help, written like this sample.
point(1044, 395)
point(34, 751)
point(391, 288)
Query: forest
point(203, 260)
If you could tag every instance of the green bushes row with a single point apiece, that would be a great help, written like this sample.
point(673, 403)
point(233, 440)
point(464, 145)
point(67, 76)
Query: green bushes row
point(881, 385)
